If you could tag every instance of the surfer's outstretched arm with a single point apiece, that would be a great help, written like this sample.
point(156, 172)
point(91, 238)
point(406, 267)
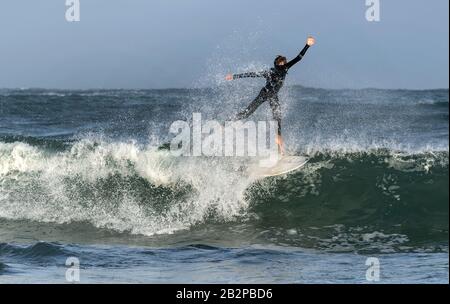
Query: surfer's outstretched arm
point(302, 53)
point(247, 75)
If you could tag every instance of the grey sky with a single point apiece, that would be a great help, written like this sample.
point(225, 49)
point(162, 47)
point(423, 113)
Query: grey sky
point(185, 43)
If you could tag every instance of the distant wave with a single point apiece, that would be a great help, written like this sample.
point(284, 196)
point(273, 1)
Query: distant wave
point(3, 268)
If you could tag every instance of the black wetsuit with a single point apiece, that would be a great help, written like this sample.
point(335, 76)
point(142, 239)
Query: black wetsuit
point(274, 81)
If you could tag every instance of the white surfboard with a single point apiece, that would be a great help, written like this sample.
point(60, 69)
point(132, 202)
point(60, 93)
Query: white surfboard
point(285, 165)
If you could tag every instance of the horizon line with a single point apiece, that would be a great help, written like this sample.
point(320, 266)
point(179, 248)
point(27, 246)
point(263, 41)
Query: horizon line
point(211, 87)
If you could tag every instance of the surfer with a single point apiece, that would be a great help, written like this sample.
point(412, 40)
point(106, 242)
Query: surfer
point(274, 81)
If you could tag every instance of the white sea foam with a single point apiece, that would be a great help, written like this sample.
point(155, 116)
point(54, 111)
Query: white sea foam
point(36, 185)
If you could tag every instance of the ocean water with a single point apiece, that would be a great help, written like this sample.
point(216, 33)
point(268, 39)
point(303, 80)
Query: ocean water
point(81, 176)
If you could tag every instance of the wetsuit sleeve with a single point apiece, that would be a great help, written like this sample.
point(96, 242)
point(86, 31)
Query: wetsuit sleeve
point(251, 74)
point(298, 58)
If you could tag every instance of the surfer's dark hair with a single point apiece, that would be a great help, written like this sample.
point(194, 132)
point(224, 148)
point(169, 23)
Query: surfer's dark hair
point(279, 59)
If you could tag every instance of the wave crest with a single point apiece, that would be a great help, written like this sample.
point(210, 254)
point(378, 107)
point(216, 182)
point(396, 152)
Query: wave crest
point(138, 189)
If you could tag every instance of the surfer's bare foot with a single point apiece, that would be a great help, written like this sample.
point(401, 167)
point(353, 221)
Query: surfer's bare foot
point(281, 149)
point(280, 143)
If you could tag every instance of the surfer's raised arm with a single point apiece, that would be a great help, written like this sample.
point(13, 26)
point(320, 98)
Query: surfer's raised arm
point(309, 42)
point(247, 75)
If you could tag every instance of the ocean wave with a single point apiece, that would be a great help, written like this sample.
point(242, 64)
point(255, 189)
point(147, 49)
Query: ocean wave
point(341, 200)
point(38, 250)
point(4, 268)
point(116, 185)
point(48, 143)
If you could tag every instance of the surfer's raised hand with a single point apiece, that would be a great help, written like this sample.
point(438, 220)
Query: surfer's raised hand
point(310, 41)
point(229, 77)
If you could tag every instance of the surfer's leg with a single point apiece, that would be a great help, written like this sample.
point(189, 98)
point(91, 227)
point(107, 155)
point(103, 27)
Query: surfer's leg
point(276, 113)
point(262, 96)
